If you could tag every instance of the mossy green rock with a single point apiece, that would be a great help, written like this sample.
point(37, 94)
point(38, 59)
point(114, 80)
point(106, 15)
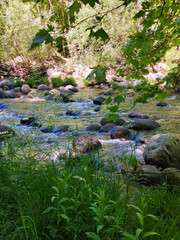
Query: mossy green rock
point(163, 150)
point(6, 131)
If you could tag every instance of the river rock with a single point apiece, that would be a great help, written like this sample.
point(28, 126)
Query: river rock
point(47, 129)
point(151, 174)
point(107, 93)
point(43, 87)
point(72, 113)
point(30, 121)
point(137, 115)
point(119, 122)
point(137, 83)
point(125, 84)
point(3, 94)
point(3, 83)
point(99, 100)
point(71, 88)
point(144, 124)
point(11, 85)
point(119, 132)
point(107, 127)
point(17, 89)
point(163, 150)
point(93, 127)
point(26, 89)
point(162, 104)
point(104, 121)
point(6, 132)
point(86, 143)
point(65, 96)
point(54, 92)
point(12, 94)
point(171, 175)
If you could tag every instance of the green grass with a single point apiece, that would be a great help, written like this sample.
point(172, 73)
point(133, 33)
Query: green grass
point(77, 199)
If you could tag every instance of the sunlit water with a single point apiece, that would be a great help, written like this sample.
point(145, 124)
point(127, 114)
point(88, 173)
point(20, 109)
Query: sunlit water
point(54, 114)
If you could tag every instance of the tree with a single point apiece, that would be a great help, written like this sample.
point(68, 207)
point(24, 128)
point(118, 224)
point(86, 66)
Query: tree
point(160, 31)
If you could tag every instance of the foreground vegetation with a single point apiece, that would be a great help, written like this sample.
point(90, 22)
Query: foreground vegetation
point(43, 200)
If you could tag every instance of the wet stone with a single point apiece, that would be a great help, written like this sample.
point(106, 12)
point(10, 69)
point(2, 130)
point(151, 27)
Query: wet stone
point(99, 100)
point(137, 115)
point(93, 127)
point(107, 127)
point(162, 104)
point(144, 124)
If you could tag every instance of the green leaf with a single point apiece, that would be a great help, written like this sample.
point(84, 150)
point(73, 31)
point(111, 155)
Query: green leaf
point(162, 95)
point(40, 37)
point(74, 8)
point(98, 18)
point(90, 2)
point(121, 89)
point(141, 13)
point(135, 207)
point(99, 73)
point(108, 100)
point(140, 218)
point(114, 85)
point(135, 62)
point(112, 117)
point(152, 216)
point(121, 71)
point(113, 109)
point(130, 236)
point(119, 99)
point(138, 232)
point(93, 236)
point(99, 227)
point(147, 234)
point(101, 34)
point(64, 216)
point(49, 209)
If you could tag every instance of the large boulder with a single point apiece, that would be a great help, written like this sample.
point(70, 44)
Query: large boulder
point(144, 124)
point(163, 150)
point(86, 143)
point(119, 133)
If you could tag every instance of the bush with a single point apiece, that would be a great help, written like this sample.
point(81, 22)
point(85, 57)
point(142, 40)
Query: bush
point(56, 82)
point(69, 81)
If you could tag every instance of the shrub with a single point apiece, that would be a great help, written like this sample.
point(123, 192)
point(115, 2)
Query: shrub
point(69, 81)
point(56, 82)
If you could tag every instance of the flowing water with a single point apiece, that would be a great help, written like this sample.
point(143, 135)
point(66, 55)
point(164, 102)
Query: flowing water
point(51, 113)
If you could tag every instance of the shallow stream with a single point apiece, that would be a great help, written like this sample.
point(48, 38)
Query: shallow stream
point(54, 114)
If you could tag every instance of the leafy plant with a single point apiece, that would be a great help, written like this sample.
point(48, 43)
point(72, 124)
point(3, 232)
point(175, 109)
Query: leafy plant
point(98, 73)
point(142, 216)
point(69, 81)
point(56, 82)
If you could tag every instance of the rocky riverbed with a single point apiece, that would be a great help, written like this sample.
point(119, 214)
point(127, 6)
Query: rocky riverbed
point(55, 123)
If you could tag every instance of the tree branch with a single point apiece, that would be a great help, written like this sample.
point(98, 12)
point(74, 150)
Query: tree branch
point(97, 14)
